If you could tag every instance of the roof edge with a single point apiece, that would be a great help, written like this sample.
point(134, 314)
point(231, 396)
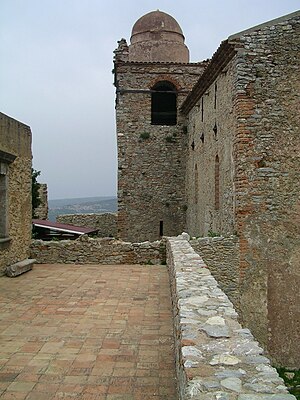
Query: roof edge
point(220, 59)
point(265, 24)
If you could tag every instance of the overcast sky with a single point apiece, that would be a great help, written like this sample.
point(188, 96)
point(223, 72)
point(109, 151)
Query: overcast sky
point(55, 74)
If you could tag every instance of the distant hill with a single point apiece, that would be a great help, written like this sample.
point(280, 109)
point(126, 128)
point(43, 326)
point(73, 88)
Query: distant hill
point(84, 205)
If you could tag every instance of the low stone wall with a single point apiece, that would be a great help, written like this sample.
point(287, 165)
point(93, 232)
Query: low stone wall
point(87, 250)
point(221, 255)
point(216, 359)
point(106, 223)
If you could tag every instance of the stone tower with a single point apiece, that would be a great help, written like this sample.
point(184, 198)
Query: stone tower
point(152, 77)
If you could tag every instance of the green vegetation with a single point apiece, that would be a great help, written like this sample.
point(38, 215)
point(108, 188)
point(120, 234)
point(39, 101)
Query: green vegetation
point(145, 135)
point(292, 380)
point(212, 234)
point(170, 139)
point(36, 201)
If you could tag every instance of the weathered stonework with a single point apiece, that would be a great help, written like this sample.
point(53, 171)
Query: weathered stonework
point(15, 139)
point(216, 359)
point(250, 91)
point(41, 212)
point(87, 250)
point(151, 157)
point(105, 223)
point(221, 255)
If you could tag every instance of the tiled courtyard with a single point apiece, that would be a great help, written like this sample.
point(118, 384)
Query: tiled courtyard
point(87, 332)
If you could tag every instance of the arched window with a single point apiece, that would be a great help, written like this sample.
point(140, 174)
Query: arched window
point(164, 104)
point(217, 183)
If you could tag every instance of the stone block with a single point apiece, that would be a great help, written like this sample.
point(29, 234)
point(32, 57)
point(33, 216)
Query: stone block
point(20, 267)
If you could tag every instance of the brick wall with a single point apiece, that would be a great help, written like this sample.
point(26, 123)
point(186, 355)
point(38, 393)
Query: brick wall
point(267, 155)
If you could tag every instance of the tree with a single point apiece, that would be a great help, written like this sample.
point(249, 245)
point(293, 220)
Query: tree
point(36, 201)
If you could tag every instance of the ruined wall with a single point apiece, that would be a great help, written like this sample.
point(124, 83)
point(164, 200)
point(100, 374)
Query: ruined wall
point(221, 255)
point(106, 223)
point(15, 139)
point(151, 158)
point(41, 212)
point(267, 155)
point(87, 250)
point(211, 128)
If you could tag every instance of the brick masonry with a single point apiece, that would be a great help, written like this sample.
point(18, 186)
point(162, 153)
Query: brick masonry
point(252, 100)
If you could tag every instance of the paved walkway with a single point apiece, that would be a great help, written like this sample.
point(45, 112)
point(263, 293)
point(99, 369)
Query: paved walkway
point(87, 332)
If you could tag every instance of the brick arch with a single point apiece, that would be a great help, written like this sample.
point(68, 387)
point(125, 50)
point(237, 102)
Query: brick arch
point(165, 78)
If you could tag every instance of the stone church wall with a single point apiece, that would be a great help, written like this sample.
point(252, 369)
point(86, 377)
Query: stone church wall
point(15, 139)
point(151, 158)
point(267, 158)
point(211, 127)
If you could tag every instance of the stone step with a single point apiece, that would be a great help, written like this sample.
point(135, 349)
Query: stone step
point(20, 267)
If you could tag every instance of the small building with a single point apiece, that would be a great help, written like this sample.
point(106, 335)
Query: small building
point(15, 191)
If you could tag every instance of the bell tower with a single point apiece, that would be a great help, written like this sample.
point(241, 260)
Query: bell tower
point(152, 78)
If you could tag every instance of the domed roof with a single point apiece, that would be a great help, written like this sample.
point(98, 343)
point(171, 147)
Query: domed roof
point(156, 21)
point(157, 37)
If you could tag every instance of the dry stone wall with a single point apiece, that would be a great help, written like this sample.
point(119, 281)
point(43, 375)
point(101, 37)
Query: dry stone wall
point(87, 250)
point(216, 359)
point(105, 223)
point(15, 139)
point(221, 255)
point(151, 158)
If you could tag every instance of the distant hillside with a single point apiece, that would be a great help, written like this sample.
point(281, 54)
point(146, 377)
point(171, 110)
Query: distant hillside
point(85, 205)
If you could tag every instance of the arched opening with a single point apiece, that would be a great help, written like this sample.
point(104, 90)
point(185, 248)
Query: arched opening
point(164, 104)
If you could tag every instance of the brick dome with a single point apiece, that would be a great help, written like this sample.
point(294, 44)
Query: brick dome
point(157, 37)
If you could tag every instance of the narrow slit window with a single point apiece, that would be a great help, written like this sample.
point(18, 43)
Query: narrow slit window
point(215, 105)
point(217, 183)
point(161, 228)
point(163, 104)
point(202, 109)
point(3, 205)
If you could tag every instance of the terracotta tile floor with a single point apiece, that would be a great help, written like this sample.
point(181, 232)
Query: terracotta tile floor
point(87, 332)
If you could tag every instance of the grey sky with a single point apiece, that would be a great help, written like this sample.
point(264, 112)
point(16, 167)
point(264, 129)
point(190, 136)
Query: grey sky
point(55, 74)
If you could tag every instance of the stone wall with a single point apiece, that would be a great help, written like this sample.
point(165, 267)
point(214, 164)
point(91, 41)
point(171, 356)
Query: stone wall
point(216, 359)
point(221, 255)
point(151, 158)
point(41, 212)
point(253, 100)
point(210, 169)
point(106, 223)
point(267, 159)
point(15, 139)
point(87, 250)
